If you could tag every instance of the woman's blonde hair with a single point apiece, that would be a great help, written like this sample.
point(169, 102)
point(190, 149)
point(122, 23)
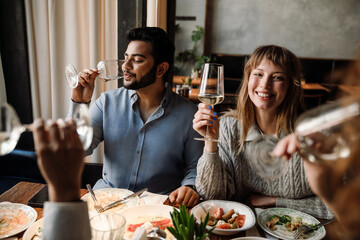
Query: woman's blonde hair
point(288, 109)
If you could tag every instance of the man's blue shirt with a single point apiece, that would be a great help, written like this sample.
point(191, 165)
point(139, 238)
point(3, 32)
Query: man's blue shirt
point(160, 154)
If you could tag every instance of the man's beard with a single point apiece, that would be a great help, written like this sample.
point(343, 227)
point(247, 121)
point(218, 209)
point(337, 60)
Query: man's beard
point(148, 79)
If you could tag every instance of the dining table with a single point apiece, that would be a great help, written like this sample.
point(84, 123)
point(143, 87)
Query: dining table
point(22, 192)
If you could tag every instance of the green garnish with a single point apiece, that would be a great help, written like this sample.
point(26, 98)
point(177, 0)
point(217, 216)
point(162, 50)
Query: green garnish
point(185, 227)
point(283, 220)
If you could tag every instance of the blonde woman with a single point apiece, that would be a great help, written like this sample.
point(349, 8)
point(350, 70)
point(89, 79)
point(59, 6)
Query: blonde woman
point(268, 102)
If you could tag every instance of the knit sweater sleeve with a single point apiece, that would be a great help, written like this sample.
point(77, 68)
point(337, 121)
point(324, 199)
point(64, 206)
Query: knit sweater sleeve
point(215, 171)
point(311, 205)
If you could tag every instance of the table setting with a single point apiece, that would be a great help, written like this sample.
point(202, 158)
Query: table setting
point(150, 207)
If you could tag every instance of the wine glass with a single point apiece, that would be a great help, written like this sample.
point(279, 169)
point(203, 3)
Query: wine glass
point(211, 90)
point(11, 127)
point(108, 69)
point(262, 161)
point(327, 133)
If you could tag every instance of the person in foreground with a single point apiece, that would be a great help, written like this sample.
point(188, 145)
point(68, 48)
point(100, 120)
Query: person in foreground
point(146, 127)
point(326, 179)
point(268, 102)
point(60, 158)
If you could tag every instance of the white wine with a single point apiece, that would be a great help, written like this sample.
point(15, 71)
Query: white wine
point(211, 99)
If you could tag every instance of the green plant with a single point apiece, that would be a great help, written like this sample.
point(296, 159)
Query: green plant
point(191, 56)
point(185, 227)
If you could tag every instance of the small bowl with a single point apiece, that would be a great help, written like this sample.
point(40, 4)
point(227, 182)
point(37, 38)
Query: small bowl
point(203, 208)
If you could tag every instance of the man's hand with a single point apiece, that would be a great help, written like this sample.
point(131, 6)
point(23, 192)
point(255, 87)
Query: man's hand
point(83, 92)
point(184, 195)
point(60, 159)
point(262, 200)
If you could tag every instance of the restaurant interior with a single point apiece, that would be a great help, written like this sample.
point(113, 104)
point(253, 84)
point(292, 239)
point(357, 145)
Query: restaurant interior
point(38, 39)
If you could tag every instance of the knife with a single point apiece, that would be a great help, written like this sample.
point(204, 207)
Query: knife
point(111, 205)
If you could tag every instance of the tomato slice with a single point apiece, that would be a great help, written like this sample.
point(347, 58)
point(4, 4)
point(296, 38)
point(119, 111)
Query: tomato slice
point(133, 227)
point(240, 220)
point(217, 213)
point(162, 224)
point(224, 226)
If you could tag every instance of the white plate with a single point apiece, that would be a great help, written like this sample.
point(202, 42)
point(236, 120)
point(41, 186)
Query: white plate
point(249, 238)
point(142, 213)
point(34, 229)
point(281, 231)
point(203, 208)
point(18, 217)
point(106, 196)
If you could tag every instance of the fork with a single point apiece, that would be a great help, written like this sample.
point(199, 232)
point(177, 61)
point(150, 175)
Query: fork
point(97, 206)
point(304, 229)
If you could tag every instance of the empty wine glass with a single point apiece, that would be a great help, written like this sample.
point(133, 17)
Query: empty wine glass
point(11, 127)
point(262, 161)
point(84, 128)
point(108, 70)
point(327, 133)
point(211, 90)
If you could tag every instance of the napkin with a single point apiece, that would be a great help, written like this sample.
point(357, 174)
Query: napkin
point(139, 234)
point(152, 198)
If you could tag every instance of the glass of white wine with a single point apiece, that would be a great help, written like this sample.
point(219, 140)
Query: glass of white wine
point(11, 127)
point(108, 69)
point(329, 132)
point(211, 90)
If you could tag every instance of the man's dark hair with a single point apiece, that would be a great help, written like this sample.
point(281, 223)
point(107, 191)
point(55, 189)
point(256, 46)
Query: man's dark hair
point(162, 48)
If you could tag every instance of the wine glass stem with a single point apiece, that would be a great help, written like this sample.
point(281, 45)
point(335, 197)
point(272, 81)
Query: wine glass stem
point(27, 127)
point(207, 135)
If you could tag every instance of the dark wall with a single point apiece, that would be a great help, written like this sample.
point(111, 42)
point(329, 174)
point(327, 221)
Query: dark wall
point(14, 57)
point(131, 14)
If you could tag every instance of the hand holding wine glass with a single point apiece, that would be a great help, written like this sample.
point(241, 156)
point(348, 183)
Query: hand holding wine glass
point(211, 89)
point(108, 70)
point(11, 127)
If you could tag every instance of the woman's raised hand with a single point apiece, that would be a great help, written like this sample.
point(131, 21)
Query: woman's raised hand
point(205, 116)
point(83, 92)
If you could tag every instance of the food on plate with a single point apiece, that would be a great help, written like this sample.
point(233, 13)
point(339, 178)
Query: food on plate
point(37, 235)
point(228, 220)
point(162, 224)
point(217, 213)
point(148, 223)
point(287, 221)
point(12, 222)
point(107, 196)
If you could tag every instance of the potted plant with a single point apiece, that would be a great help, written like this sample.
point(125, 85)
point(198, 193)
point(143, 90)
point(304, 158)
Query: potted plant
point(185, 226)
point(191, 56)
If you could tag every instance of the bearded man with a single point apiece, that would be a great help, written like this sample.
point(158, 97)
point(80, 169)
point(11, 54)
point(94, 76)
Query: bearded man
point(146, 127)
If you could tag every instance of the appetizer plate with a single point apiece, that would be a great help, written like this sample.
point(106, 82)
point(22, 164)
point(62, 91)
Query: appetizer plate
point(34, 232)
point(281, 231)
point(203, 208)
point(15, 218)
point(146, 213)
point(106, 196)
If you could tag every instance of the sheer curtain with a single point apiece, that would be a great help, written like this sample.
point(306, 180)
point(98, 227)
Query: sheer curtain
point(156, 13)
point(81, 33)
